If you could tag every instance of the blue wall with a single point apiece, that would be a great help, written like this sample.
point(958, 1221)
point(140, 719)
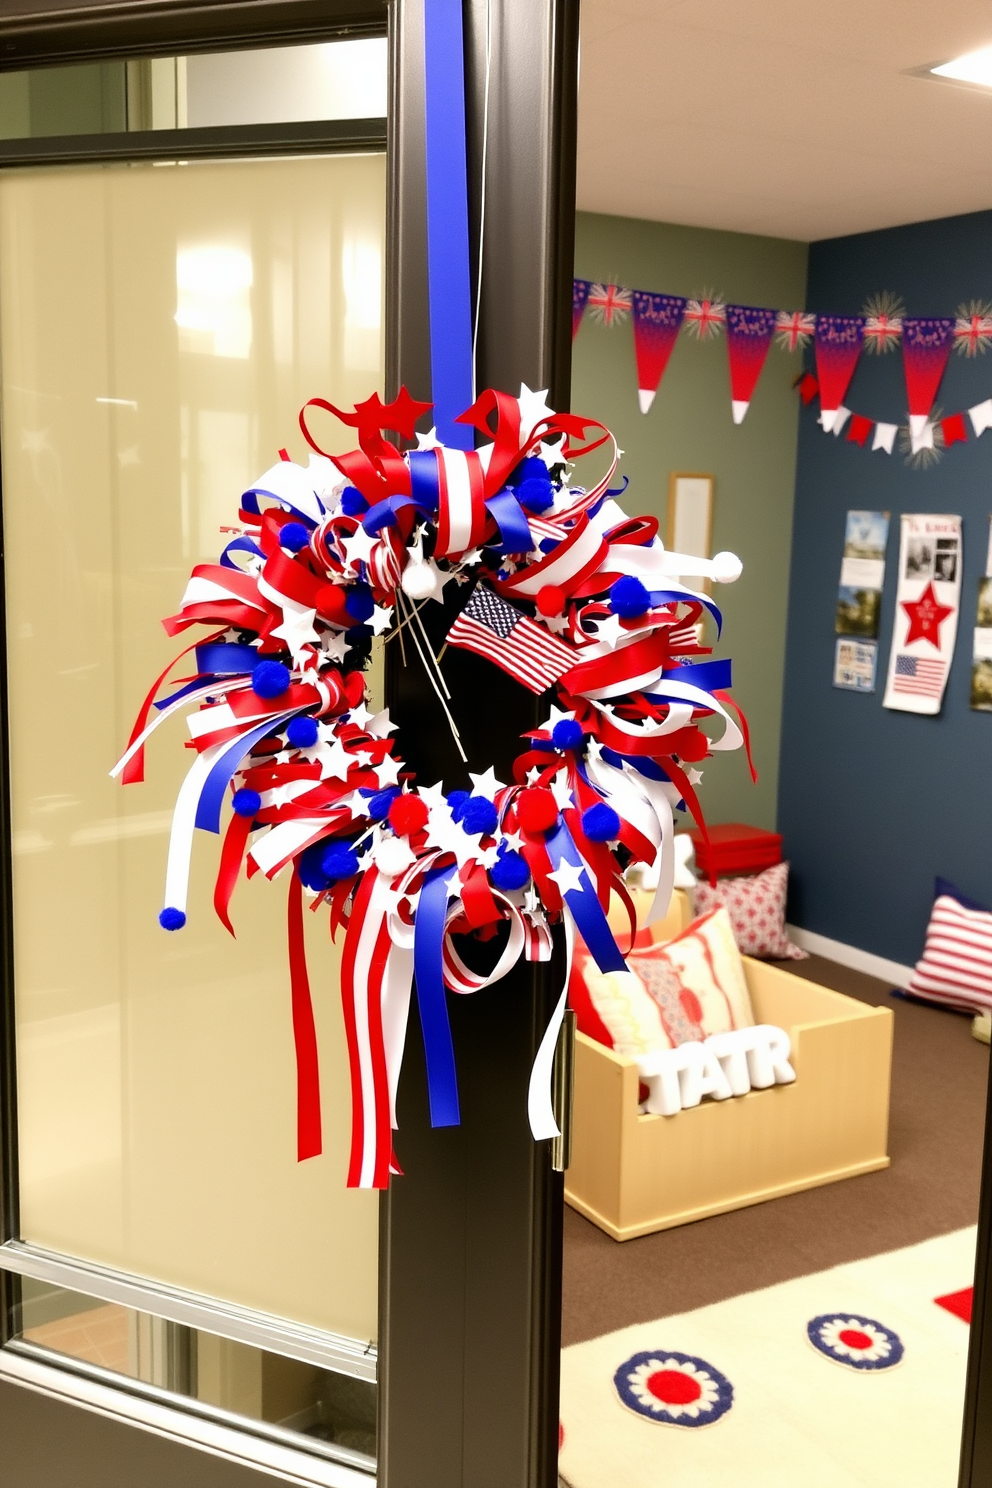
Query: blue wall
point(873, 803)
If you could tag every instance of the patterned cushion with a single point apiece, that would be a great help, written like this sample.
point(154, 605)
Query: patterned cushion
point(675, 992)
point(756, 906)
point(956, 966)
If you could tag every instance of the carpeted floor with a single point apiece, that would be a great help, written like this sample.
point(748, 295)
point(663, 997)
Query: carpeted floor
point(939, 1080)
point(784, 1392)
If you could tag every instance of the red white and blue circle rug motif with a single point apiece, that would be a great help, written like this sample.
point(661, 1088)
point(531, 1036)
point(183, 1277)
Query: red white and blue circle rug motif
point(857, 1342)
point(675, 1389)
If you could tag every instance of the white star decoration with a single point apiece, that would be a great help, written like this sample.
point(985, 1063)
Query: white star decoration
point(381, 620)
point(358, 549)
point(533, 408)
point(485, 785)
point(567, 877)
point(297, 627)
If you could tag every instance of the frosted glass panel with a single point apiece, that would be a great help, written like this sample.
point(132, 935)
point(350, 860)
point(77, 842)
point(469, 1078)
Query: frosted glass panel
point(160, 327)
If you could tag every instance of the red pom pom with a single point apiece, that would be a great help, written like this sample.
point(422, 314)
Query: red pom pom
point(550, 600)
point(329, 601)
point(689, 744)
point(407, 815)
point(537, 809)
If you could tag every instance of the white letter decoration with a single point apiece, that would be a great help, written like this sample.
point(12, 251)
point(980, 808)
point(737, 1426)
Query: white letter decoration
point(720, 1066)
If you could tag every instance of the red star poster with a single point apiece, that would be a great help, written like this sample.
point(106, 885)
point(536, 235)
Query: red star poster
point(926, 621)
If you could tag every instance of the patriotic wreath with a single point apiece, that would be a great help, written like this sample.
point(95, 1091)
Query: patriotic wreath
point(565, 590)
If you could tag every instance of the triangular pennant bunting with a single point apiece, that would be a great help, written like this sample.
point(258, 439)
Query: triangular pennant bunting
point(657, 319)
point(749, 335)
point(580, 295)
point(926, 345)
point(838, 342)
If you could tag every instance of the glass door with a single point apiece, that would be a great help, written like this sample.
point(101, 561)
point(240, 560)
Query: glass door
point(161, 324)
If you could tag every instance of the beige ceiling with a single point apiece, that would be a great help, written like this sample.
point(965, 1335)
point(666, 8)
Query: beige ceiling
point(788, 117)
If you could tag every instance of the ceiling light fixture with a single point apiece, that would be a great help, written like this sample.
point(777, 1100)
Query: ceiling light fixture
point(973, 67)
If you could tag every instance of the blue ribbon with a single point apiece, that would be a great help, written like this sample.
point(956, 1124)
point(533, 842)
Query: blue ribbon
point(214, 787)
point(709, 676)
point(512, 523)
point(428, 968)
point(671, 596)
point(586, 910)
point(219, 658)
point(449, 282)
point(240, 545)
point(643, 763)
point(384, 513)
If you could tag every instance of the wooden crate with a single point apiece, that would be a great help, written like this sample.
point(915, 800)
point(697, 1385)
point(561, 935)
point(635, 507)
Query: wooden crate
point(632, 1174)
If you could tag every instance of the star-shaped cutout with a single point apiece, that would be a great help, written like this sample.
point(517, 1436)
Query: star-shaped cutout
point(388, 772)
point(297, 627)
point(561, 791)
point(334, 646)
point(431, 795)
point(486, 785)
point(925, 615)
point(360, 715)
point(556, 623)
point(533, 408)
point(567, 877)
point(513, 841)
point(358, 549)
point(379, 725)
point(330, 753)
point(610, 630)
point(428, 440)
point(533, 775)
point(381, 620)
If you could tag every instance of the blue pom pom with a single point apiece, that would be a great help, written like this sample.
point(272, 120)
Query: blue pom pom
point(356, 634)
point(509, 871)
point(567, 734)
point(479, 815)
point(457, 801)
point(308, 866)
point(302, 732)
point(270, 679)
point(532, 468)
point(353, 503)
point(359, 603)
point(172, 919)
point(340, 862)
point(294, 536)
point(629, 598)
point(600, 823)
point(379, 804)
point(536, 496)
point(246, 802)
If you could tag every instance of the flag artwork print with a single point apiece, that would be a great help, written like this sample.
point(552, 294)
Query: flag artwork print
point(926, 619)
point(512, 640)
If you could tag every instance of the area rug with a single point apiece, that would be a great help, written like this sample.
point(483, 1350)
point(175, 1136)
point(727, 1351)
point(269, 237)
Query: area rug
point(848, 1378)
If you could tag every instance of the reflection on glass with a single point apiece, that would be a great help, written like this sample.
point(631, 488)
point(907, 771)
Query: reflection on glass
point(213, 310)
point(324, 1410)
point(156, 1084)
point(274, 85)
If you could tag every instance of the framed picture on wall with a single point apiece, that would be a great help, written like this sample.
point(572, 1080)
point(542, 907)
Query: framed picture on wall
point(690, 513)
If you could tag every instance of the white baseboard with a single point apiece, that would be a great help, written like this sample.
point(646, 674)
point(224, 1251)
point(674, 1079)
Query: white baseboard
point(847, 955)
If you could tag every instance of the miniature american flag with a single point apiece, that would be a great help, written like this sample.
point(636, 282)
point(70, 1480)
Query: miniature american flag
point(919, 675)
point(505, 635)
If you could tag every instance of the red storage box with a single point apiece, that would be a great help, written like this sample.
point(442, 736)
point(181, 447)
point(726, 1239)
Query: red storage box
point(734, 848)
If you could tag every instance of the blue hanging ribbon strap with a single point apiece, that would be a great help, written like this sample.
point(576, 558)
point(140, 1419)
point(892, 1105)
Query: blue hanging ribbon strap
point(585, 908)
point(428, 968)
point(449, 281)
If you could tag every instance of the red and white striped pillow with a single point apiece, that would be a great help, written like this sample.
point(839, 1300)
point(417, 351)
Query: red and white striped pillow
point(956, 966)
